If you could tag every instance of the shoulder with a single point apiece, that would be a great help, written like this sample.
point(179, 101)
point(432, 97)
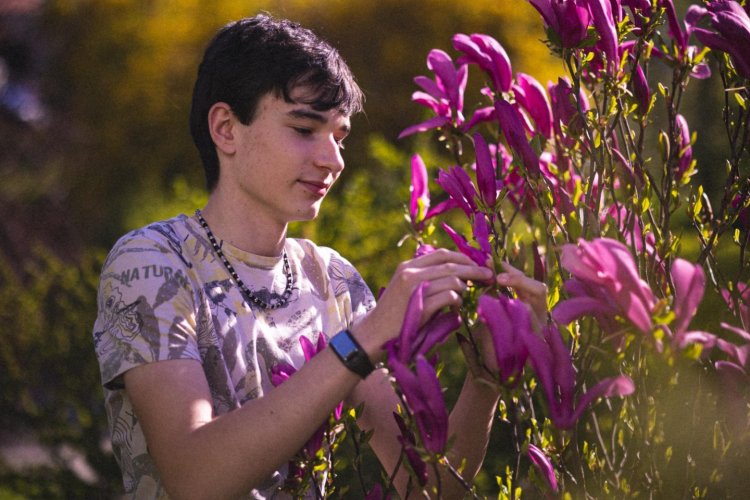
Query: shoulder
point(343, 276)
point(160, 242)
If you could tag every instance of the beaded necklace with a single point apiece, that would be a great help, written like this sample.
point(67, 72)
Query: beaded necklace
point(275, 303)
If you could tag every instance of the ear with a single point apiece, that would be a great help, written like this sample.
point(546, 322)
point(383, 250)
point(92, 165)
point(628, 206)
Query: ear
point(221, 125)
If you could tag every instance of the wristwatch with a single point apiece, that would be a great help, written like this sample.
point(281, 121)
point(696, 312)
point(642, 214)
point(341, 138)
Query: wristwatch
point(351, 353)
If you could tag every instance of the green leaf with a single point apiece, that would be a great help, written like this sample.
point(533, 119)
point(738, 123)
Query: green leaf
point(740, 100)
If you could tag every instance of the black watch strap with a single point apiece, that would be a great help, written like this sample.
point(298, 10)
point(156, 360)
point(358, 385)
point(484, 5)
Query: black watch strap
point(351, 353)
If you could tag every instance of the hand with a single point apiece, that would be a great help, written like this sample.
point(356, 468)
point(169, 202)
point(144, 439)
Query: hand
point(445, 271)
point(529, 290)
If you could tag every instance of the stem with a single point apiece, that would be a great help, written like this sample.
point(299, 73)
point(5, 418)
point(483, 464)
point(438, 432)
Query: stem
point(460, 478)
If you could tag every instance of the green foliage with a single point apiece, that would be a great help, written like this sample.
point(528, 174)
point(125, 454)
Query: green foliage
point(51, 386)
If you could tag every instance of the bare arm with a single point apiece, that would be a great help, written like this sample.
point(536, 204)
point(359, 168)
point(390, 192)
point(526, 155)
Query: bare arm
point(202, 456)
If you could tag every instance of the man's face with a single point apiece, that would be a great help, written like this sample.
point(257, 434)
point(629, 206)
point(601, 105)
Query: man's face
point(287, 159)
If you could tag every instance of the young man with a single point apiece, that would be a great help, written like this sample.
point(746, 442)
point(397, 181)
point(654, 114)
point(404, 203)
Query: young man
point(194, 312)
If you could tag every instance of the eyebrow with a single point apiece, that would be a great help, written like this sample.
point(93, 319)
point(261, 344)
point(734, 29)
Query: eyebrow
point(315, 116)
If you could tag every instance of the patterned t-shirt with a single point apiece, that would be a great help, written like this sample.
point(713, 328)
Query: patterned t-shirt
point(164, 294)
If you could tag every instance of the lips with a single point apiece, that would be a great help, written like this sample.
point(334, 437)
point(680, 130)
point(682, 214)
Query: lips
point(317, 188)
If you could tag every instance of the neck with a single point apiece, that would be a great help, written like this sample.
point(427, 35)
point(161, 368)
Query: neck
point(238, 226)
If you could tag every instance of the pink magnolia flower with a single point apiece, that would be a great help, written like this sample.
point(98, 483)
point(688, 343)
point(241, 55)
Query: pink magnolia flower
point(551, 360)
point(685, 154)
point(488, 54)
point(689, 286)
point(420, 195)
point(731, 31)
point(511, 123)
point(542, 462)
point(424, 397)
point(486, 178)
point(419, 204)
point(424, 249)
point(641, 91)
point(508, 321)
point(676, 29)
point(459, 186)
point(605, 283)
point(413, 339)
point(567, 19)
point(481, 233)
point(444, 95)
point(408, 442)
point(604, 22)
point(533, 99)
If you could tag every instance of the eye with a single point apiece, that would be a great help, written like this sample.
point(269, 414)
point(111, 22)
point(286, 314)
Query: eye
point(305, 132)
point(340, 143)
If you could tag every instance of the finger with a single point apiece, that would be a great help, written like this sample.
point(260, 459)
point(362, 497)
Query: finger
point(447, 283)
point(520, 282)
point(462, 271)
point(436, 302)
point(442, 256)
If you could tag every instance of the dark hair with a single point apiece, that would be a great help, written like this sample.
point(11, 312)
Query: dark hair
point(251, 57)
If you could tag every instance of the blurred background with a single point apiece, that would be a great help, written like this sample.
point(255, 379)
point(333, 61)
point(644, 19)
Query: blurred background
point(94, 141)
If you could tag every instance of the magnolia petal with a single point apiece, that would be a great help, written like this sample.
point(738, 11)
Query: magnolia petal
point(430, 87)
point(534, 100)
point(501, 70)
point(621, 385)
point(706, 339)
point(481, 233)
point(481, 115)
point(412, 321)
point(434, 425)
point(486, 181)
point(689, 285)
point(436, 122)
point(441, 208)
point(436, 330)
point(544, 464)
point(541, 360)
point(563, 369)
point(479, 257)
point(601, 13)
point(511, 123)
point(508, 321)
point(420, 196)
point(569, 310)
point(675, 28)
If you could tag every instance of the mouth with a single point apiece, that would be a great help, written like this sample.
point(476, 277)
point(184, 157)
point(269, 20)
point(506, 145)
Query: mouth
point(316, 187)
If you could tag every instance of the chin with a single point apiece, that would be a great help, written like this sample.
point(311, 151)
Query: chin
point(307, 215)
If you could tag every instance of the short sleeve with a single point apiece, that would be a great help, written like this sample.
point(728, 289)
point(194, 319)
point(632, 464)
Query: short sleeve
point(146, 309)
point(348, 285)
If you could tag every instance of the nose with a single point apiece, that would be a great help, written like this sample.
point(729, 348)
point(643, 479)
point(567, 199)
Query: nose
point(328, 155)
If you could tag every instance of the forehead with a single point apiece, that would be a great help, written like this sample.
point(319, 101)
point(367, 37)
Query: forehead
point(303, 107)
